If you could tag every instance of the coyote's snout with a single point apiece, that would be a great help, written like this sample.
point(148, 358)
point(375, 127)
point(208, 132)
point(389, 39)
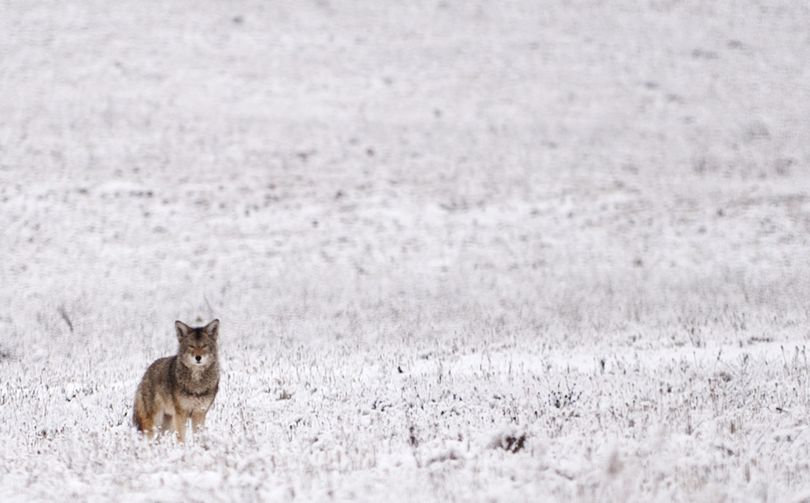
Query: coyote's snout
point(180, 387)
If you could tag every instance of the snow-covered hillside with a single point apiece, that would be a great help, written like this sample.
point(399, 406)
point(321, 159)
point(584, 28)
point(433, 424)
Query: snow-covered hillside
point(532, 251)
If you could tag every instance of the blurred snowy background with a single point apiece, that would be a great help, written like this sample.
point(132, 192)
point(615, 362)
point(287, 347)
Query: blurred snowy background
point(460, 250)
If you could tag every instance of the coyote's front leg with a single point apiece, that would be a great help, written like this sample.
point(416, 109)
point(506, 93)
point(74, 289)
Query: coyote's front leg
point(180, 420)
point(197, 420)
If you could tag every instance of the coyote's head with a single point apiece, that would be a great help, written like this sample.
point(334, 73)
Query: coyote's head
point(198, 345)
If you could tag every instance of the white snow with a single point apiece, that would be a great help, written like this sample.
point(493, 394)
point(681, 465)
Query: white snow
point(430, 229)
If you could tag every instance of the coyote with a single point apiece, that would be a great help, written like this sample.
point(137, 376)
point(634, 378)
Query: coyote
point(177, 387)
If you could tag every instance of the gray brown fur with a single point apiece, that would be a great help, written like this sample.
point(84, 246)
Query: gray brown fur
point(180, 387)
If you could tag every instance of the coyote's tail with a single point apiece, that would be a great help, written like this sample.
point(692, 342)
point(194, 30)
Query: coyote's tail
point(136, 418)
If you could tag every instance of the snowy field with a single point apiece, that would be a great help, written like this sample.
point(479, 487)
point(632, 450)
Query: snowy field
point(461, 251)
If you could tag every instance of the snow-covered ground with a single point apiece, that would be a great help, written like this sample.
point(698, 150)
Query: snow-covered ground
point(473, 251)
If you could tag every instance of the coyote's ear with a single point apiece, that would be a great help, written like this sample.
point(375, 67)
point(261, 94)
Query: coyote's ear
point(182, 329)
point(212, 328)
